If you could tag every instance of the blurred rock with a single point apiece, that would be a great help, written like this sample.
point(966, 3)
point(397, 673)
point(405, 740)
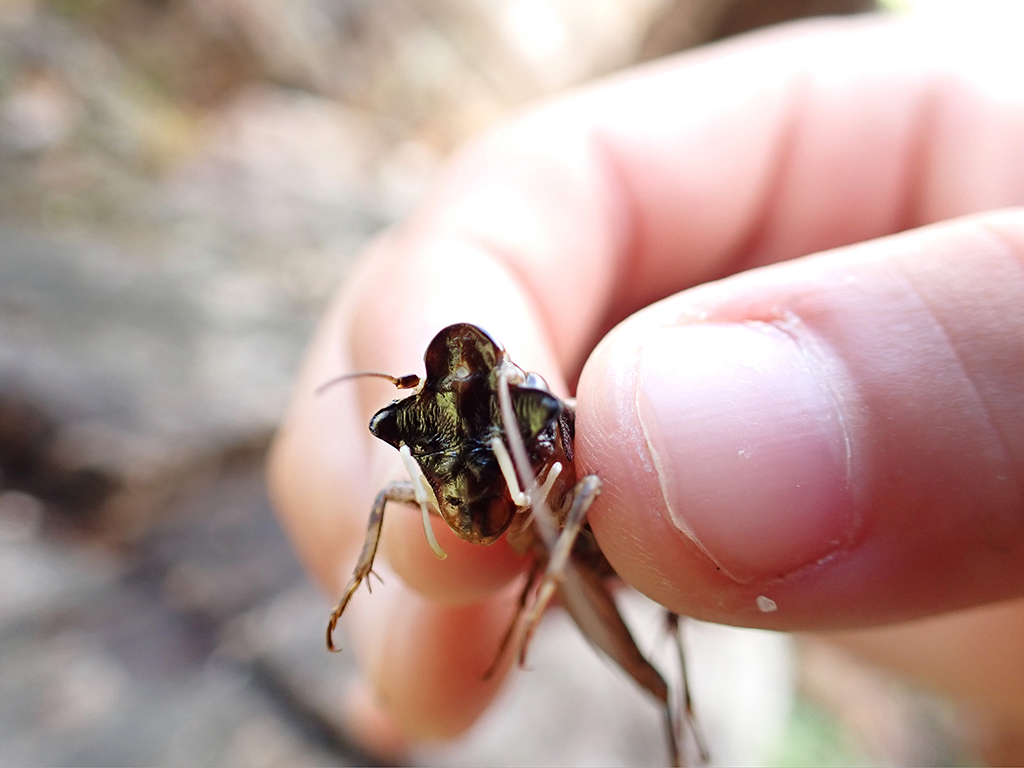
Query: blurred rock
point(441, 70)
point(37, 115)
point(279, 163)
point(103, 663)
point(142, 373)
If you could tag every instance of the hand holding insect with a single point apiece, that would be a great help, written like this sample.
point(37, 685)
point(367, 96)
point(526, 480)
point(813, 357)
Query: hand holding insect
point(837, 434)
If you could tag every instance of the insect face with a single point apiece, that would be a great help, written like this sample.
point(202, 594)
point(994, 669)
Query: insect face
point(450, 422)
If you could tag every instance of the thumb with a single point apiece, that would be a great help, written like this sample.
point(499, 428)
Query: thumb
point(830, 442)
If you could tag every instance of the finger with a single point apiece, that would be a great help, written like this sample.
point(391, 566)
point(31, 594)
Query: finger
point(842, 434)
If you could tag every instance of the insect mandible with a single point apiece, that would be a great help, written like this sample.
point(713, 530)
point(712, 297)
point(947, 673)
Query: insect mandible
point(489, 449)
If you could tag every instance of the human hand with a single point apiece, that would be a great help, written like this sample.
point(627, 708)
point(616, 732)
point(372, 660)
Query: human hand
point(843, 433)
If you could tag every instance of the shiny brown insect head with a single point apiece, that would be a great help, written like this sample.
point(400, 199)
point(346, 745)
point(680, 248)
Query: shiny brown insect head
point(450, 421)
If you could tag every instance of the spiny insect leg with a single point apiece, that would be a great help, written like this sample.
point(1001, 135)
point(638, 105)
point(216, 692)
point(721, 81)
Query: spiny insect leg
point(531, 582)
point(587, 599)
point(674, 626)
point(584, 493)
point(397, 491)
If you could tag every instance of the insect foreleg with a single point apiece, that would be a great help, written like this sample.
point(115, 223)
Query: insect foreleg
point(397, 491)
point(584, 493)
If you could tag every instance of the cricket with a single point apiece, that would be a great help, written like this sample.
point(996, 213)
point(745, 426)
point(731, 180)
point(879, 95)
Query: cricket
point(489, 449)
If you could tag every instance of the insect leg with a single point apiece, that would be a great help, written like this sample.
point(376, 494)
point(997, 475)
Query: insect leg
point(531, 582)
point(586, 598)
point(543, 520)
point(674, 627)
point(549, 481)
point(519, 498)
point(584, 493)
point(397, 491)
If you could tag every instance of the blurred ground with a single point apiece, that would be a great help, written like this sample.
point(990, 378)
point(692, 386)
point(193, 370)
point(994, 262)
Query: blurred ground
point(182, 184)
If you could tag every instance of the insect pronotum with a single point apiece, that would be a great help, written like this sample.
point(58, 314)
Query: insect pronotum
point(489, 449)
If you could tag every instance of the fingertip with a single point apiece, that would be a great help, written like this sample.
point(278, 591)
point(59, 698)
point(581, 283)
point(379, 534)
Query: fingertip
point(749, 444)
point(630, 516)
point(836, 435)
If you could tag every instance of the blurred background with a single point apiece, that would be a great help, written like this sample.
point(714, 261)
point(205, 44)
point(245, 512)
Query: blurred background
point(182, 185)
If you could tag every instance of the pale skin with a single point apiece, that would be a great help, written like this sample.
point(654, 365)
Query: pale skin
point(843, 433)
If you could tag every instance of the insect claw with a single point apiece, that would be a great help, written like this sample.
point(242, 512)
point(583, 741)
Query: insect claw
point(331, 625)
point(522, 662)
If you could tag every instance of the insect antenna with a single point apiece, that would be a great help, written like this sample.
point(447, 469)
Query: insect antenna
point(401, 382)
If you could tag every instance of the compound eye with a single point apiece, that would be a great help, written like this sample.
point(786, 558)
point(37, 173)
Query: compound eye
point(384, 426)
point(536, 381)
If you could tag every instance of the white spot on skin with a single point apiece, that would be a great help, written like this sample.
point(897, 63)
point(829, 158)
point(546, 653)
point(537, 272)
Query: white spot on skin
point(766, 604)
point(462, 373)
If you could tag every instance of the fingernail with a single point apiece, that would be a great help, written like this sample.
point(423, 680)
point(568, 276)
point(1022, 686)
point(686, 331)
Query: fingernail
point(749, 445)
